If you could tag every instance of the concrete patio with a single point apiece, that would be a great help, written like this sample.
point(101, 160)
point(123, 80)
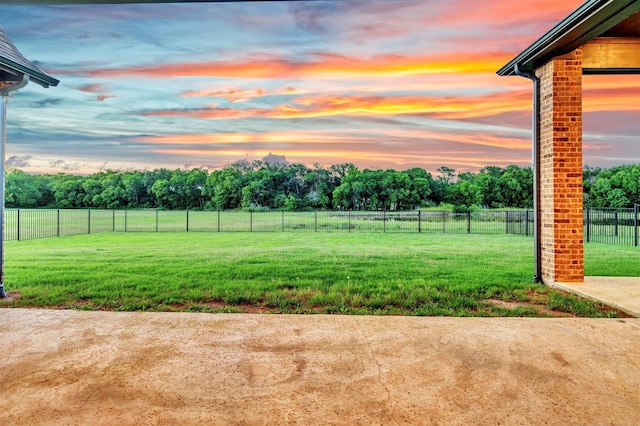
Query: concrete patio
point(105, 368)
point(622, 293)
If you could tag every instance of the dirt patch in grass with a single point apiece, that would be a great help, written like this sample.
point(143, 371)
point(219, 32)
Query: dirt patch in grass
point(11, 296)
point(540, 302)
point(541, 309)
point(531, 304)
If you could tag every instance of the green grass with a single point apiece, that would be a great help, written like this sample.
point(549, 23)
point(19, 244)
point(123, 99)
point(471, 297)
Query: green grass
point(355, 273)
point(611, 261)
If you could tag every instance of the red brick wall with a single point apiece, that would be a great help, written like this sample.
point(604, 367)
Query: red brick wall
point(562, 257)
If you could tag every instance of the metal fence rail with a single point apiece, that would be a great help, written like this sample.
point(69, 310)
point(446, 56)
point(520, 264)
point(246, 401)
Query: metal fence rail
point(611, 226)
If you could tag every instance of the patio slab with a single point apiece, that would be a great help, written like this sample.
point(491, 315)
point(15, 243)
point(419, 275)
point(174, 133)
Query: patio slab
point(105, 368)
point(622, 293)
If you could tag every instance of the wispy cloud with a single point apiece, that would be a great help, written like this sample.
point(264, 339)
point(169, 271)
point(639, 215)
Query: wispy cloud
point(263, 66)
point(231, 95)
point(67, 166)
point(382, 83)
point(454, 107)
point(18, 161)
point(100, 91)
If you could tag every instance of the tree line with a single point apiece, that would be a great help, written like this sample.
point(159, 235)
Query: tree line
point(265, 185)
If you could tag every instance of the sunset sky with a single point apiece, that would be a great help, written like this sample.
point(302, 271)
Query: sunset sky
point(380, 83)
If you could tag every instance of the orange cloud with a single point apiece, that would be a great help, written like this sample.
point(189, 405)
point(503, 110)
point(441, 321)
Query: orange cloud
point(506, 13)
point(92, 88)
point(381, 139)
point(394, 147)
point(601, 98)
point(319, 64)
point(96, 88)
point(333, 105)
point(231, 95)
point(611, 93)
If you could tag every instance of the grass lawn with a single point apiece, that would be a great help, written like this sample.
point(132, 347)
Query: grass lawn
point(287, 272)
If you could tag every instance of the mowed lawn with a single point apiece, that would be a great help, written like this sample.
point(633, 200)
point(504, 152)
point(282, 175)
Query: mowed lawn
point(351, 273)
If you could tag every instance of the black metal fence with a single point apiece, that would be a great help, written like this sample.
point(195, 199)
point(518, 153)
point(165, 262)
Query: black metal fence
point(21, 224)
point(611, 226)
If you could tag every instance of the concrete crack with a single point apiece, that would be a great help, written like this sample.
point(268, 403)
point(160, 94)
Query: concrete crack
point(386, 387)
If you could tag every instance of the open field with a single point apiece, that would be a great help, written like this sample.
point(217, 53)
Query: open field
point(456, 275)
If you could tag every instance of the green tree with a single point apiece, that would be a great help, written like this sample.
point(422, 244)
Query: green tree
point(627, 179)
point(420, 184)
point(23, 190)
point(605, 195)
point(224, 188)
point(516, 187)
point(136, 189)
point(348, 194)
point(196, 180)
point(69, 192)
point(488, 183)
point(319, 187)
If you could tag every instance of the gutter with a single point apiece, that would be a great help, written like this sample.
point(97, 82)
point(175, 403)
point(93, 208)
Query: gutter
point(537, 278)
point(37, 76)
point(4, 94)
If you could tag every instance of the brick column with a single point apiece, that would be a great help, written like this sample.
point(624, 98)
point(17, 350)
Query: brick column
point(561, 222)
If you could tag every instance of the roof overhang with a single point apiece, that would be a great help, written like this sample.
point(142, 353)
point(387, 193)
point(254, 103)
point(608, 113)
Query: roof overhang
point(13, 65)
point(594, 18)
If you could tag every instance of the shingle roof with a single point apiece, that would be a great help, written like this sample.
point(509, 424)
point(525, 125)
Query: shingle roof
point(592, 19)
point(12, 61)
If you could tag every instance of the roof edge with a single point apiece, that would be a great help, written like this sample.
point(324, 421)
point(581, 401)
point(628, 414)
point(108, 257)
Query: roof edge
point(41, 78)
point(12, 61)
point(589, 20)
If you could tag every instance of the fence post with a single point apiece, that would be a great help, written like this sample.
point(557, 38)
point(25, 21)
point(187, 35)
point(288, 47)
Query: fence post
point(18, 224)
point(384, 220)
point(113, 221)
point(469, 222)
point(58, 227)
point(506, 222)
point(636, 211)
point(526, 223)
point(187, 220)
point(615, 220)
point(419, 221)
point(444, 222)
point(588, 238)
point(89, 221)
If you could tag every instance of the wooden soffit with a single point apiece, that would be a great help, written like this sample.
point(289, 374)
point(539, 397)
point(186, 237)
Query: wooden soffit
point(611, 55)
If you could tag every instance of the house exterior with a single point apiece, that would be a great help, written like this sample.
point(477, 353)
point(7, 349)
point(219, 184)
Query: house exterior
point(599, 37)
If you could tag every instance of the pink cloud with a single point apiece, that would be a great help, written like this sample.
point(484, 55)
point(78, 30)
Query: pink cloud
point(96, 88)
point(318, 64)
point(92, 88)
point(231, 95)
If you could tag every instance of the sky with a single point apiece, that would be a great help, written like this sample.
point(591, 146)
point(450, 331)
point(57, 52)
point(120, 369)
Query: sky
point(378, 83)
